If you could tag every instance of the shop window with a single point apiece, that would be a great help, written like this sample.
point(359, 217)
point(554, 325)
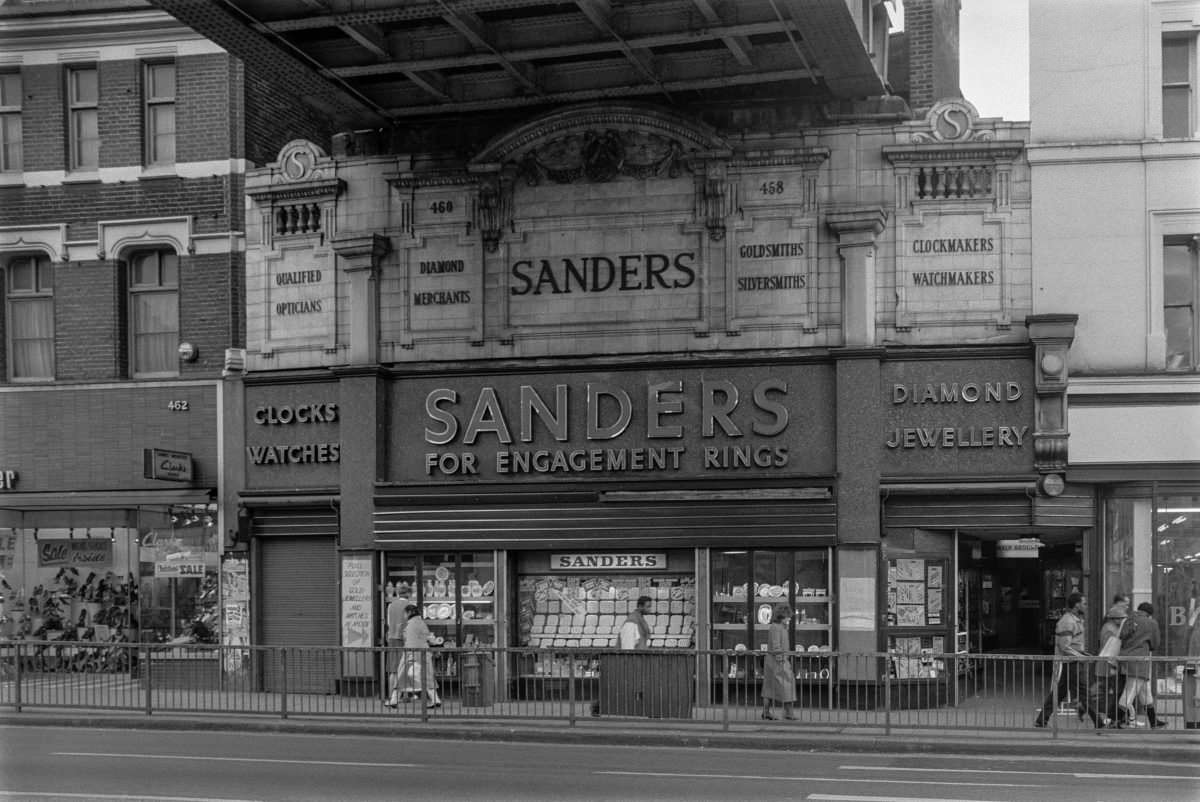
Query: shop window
point(1123, 517)
point(179, 577)
point(1177, 573)
point(749, 586)
point(457, 594)
point(30, 294)
point(10, 122)
point(154, 313)
point(83, 106)
point(159, 113)
point(1181, 299)
point(1178, 86)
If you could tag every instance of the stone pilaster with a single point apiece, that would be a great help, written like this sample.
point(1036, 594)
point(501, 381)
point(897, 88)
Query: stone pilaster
point(857, 230)
point(360, 255)
point(1052, 336)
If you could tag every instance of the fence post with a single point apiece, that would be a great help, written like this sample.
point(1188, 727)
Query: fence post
point(571, 689)
point(148, 672)
point(283, 682)
point(1054, 665)
point(427, 680)
point(19, 660)
point(725, 691)
point(887, 697)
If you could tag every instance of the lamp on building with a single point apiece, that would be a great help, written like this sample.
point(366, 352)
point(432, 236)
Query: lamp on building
point(188, 352)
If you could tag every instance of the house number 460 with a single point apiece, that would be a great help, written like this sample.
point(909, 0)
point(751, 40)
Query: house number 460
point(177, 405)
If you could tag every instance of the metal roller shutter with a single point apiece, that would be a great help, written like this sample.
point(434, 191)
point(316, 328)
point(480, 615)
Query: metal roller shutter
point(298, 599)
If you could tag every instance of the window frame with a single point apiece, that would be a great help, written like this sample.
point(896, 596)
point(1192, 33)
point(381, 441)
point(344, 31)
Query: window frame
point(136, 290)
point(10, 110)
point(78, 110)
point(1192, 245)
point(1165, 226)
point(1189, 83)
point(41, 292)
point(150, 104)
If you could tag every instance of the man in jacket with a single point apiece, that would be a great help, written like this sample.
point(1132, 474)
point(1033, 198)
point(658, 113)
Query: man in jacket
point(1139, 637)
point(1072, 680)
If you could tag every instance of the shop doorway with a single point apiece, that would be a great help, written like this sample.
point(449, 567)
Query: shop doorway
point(1012, 591)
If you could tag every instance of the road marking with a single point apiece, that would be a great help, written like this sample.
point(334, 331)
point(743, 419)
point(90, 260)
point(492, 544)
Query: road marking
point(687, 776)
point(241, 759)
point(128, 797)
point(1077, 775)
point(850, 798)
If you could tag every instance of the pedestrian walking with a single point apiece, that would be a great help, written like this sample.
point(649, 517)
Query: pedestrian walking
point(1109, 683)
point(779, 678)
point(1071, 674)
point(1139, 638)
point(396, 619)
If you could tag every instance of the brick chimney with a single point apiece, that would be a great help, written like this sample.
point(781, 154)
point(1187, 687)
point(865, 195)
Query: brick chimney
point(923, 63)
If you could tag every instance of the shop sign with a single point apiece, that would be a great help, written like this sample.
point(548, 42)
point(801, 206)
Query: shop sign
point(654, 561)
point(75, 552)
point(1023, 549)
point(759, 421)
point(171, 466)
point(178, 568)
point(8, 480)
point(286, 429)
point(299, 301)
point(950, 416)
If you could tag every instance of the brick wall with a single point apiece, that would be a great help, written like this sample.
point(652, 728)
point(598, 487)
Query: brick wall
point(932, 33)
point(87, 334)
point(42, 119)
point(274, 118)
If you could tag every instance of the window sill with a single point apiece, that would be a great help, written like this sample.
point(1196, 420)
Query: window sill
point(13, 179)
point(163, 171)
point(81, 177)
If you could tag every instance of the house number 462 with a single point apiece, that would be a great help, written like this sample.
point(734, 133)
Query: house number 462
point(177, 405)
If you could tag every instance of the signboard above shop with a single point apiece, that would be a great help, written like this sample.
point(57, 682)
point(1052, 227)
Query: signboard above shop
point(732, 422)
point(171, 466)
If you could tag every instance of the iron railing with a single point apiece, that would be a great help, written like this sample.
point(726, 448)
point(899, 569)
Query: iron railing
point(882, 691)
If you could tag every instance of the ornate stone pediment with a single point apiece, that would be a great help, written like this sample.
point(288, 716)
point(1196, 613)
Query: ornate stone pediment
point(602, 155)
point(953, 120)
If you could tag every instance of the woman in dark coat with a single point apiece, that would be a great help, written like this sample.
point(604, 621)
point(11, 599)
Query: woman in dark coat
point(1139, 637)
point(779, 678)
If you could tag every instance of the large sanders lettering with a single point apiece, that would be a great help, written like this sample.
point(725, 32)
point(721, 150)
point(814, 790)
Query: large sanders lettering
point(736, 425)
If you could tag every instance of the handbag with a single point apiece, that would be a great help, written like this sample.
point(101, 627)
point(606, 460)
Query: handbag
point(1111, 647)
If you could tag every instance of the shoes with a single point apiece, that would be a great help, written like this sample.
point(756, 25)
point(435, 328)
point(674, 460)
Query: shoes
point(1158, 725)
point(1081, 712)
point(789, 716)
point(390, 702)
point(432, 705)
point(769, 716)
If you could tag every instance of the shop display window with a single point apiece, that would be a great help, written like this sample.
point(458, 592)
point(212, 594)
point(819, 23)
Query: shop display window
point(456, 592)
point(587, 611)
point(1177, 573)
point(180, 578)
point(749, 586)
point(69, 583)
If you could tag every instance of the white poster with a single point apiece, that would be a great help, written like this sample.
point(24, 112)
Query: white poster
point(358, 614)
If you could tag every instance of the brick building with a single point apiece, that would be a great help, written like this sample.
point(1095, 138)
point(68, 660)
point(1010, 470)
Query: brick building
point(126, 138)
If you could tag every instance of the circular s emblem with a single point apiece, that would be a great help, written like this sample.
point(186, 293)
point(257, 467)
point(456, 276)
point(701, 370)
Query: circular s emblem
point(298, 160)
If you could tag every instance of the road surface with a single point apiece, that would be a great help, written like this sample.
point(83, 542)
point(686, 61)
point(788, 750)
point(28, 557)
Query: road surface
point(53, 764)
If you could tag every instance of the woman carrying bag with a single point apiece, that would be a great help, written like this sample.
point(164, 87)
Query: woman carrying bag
point(1106, 690)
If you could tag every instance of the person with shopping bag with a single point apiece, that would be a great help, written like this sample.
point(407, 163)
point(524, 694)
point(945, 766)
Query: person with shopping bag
point(1109, 682)
point(414, 674)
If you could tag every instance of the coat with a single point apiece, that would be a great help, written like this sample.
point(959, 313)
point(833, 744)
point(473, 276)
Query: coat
point(1139, 637)
point(779, 679)
point(1111, 629)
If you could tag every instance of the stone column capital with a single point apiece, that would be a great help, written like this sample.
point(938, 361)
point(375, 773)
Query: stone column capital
point(360, 251)
point(857, 226)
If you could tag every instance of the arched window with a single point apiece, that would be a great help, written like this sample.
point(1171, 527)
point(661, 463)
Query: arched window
point(30, 290)
point(153, 313)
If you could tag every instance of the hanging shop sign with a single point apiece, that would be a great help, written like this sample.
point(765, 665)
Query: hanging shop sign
point(171, 466)
point(758, 421)
point(75, 552)
point(656, 561)
point(957, 416)
point(1021, 549)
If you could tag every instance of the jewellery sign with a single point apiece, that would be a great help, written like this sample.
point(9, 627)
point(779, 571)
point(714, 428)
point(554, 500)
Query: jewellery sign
point(957, 417)
point(733, 422)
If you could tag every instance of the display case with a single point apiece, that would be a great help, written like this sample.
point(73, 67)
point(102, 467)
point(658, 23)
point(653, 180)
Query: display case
point(918, 618)
point(456, 592)
point(749, 586)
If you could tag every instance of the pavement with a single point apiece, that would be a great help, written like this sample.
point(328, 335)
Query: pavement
point(1171, 745)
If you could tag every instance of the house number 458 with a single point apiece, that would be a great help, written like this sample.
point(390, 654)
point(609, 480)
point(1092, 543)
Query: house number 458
point(177, 405)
